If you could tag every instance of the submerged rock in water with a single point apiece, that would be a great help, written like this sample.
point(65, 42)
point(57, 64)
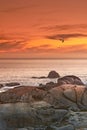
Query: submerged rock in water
point(48, 86)
point(70, 79)
point(1, 85)
point(53, 74)
point(42, 77)
point(12, 84)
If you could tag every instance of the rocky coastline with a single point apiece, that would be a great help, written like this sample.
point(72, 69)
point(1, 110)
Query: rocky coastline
point(54, 106)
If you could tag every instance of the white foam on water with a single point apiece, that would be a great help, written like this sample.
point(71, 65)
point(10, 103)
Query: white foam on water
point(30, 82)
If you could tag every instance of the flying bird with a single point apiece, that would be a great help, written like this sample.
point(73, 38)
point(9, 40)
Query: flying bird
point(61, 39)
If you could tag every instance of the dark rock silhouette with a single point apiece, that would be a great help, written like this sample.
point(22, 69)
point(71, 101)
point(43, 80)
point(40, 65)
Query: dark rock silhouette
point(70, 79)
point(48, 86)
point(12, 84)
point(1, 85)
point(42, 77)
point(53, 74)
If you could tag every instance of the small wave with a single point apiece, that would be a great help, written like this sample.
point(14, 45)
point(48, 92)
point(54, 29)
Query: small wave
point(29, 82)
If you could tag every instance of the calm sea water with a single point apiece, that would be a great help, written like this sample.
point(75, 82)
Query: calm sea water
point(22, 70)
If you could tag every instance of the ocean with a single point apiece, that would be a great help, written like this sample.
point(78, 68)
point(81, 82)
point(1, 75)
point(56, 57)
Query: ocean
point(22, 70)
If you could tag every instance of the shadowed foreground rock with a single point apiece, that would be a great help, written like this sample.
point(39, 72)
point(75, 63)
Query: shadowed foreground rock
point(66, 127)
point(21, 115)
point(32, 108)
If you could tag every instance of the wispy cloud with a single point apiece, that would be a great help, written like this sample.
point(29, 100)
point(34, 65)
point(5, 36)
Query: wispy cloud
point(3, 37)
point(65, 36)
point(13, 9)
point(11, 43)
point(79, 48)
point(65, 27)
point(11, 46)
point(17, 6)
point(41, 48)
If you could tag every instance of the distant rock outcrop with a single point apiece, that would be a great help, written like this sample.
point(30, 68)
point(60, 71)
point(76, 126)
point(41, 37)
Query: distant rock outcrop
point(70, 79)
point(42, 77)
point(53, 74)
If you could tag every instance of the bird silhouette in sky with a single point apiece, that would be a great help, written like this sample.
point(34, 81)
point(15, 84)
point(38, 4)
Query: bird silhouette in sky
point(61, 39)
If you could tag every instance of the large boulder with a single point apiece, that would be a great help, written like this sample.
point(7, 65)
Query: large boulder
point(22, 94)
point(53, 74)
point(64, 96)
point(70, 79)
point(68, 96)
point(57, 98)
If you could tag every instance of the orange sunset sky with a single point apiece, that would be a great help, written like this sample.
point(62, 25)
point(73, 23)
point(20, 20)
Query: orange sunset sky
point(37, 28)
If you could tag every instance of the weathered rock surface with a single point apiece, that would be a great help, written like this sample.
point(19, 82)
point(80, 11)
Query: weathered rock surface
point(22, 94)
point(84, 98)
point(78, 119)
point(61, 107)
point(70, 79)
point(65, 96)
point(21, 115)
point(66, 127)
point(53, 74)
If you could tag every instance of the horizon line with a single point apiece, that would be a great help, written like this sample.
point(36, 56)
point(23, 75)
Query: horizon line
point(43, 58)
